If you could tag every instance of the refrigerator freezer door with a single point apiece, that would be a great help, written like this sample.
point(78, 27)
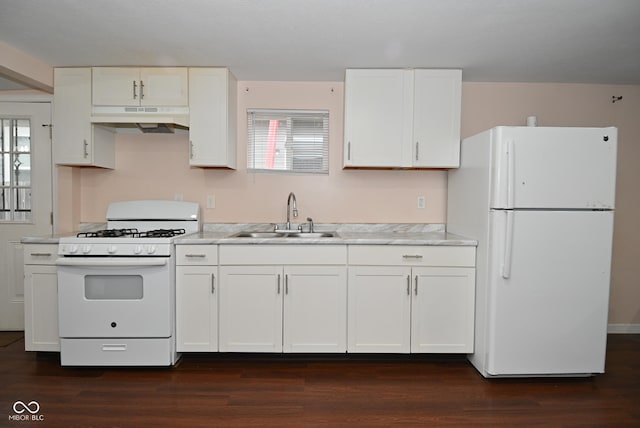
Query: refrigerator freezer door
point(549, 316)
point(554, 168)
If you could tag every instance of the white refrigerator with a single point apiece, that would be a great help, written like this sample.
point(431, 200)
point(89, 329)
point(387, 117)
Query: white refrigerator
point(540, 202)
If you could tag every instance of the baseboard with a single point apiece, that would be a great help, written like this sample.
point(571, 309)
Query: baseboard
point(623, 329)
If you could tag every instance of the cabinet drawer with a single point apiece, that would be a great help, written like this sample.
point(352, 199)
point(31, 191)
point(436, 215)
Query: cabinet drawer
point(40, 254)
point(395, 255)
point(283, 255)
point(196, 254)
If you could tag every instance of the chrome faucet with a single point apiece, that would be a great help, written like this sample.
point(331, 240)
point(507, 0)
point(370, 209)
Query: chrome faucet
point(295, 209)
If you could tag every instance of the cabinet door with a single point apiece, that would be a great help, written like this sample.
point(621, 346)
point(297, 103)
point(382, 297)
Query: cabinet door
point(116, 86)
point(212, 118)
point(164, 86)
point(377, 119)
point(251, 308)
point(131, 86)
point(196, 309)
point(75, 140)
point(41, 308)
point(315, 309)
point(379, 309)
point(442, 313)
point(436, 118)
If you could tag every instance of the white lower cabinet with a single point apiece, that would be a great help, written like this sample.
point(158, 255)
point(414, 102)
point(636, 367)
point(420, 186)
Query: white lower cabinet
point(284, 298)
point(306, 298)
point(196, 298)
point(411, 299)
point(41, 298)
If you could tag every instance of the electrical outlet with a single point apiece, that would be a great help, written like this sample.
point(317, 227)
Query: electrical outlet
point(211, 201)
point(178, 197)
point(422, 202)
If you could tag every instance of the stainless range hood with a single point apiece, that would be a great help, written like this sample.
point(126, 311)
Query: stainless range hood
point(146, 119)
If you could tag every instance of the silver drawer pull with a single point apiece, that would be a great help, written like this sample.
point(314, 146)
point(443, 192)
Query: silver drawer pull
point(114, 347)
point(201, 256)
point(40, 254)
point(411, 256)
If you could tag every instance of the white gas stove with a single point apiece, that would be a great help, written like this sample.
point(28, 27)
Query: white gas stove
point(116, 287)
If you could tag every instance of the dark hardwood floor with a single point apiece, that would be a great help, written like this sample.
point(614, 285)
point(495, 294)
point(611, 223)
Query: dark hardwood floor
point(301, 391)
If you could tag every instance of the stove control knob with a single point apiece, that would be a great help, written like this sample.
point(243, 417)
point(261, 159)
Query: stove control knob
point(112, 249)
point(73, 249)
point(137, 249)
point(86, 249)
point(151, 249)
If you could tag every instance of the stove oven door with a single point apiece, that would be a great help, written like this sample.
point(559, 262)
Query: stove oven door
point(106, 297)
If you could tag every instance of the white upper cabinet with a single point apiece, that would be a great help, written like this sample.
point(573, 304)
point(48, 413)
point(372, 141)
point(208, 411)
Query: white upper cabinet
point(436, 118)
point(212, 117)
point(130, 86)
point(402, 118)
point(75, 140)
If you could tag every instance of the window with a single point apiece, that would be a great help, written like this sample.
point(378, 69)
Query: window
point(15, 173)
point(288, 141)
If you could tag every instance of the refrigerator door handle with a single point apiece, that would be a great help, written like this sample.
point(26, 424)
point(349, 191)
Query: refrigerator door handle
point(508, 245)
point(511, 174)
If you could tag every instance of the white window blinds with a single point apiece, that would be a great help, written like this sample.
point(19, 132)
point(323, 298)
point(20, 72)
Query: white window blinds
point(288, 141)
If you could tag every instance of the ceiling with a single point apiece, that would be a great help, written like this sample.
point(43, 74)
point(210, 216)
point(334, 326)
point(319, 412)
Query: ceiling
point(580, 41)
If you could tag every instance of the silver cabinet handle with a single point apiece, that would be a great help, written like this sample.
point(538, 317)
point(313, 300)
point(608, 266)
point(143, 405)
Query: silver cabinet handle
point(408, 285)
point(201, 256)
point(86, 147)
point(278, 283)
point(415, 289)
point(135, 95)
point(349, 150)
point(417, 150)
point(286, 284)
point(213, 283)
point(411, 256)
point(190, 149)
point(141, 90)
point(40, 254)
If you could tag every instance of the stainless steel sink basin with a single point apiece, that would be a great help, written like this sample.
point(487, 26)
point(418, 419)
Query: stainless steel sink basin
point(258, 235)
point(312, 235)
point(265, 235)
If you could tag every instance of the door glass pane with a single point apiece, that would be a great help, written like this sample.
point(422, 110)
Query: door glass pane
point(15, 169)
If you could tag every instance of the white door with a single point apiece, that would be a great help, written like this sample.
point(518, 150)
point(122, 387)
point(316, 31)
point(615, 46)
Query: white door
point(162, 86)
point(377, 123)
point(549, 296)
point(25, 197)
point(315, 309)
point(250, 308)
point(436, 118)
point(379, 309)
point(556, 168)
point(115, 86)
point(442, 310)
point(196, 309)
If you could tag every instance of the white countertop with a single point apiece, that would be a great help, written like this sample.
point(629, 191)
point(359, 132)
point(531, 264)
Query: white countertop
point(347, 234)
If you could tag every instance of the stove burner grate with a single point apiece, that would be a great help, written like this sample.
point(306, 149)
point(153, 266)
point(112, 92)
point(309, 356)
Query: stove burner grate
point(108, 233)
point(132, 233)
point(160, 233)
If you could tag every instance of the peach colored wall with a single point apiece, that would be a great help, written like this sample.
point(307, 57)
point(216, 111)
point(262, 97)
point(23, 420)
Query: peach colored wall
point(151, 166)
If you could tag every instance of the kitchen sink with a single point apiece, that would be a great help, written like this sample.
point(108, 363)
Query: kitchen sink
point(312, 235)
point(301, 235)
point(258, 235)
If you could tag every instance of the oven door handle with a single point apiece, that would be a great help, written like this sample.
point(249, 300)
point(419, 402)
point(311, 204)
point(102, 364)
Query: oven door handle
point(109, 262)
